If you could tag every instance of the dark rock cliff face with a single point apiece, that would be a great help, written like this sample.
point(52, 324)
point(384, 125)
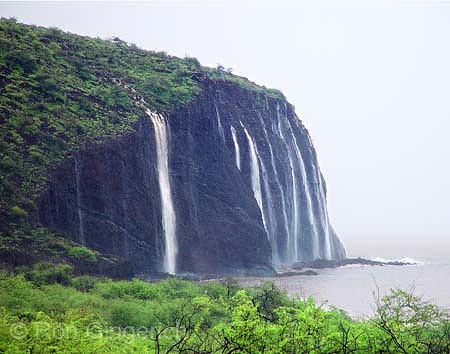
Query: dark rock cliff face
point(246, 188)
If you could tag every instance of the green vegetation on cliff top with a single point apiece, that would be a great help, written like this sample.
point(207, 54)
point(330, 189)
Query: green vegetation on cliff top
point(60, 92)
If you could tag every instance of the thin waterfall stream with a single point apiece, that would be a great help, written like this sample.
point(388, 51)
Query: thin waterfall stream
point(167, 208)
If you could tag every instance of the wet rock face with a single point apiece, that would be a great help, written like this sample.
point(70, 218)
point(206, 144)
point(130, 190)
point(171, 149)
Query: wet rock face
point(108, 197)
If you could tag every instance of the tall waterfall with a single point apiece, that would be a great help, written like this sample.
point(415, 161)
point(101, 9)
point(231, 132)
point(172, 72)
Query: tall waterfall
point(323, 211)
point(292, 250)
point(319, 192)
point(293, 232)
point(237, 153)
point(271, 223)
point(309, 206)
point(167, 208)
point(255, 174)
point(274, 224)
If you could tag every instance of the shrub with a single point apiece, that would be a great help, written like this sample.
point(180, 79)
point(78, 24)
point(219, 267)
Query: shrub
point(267, 299)
point(129, 314)
point(84, 283)
point(49, 273)
point(18, 213)
point(24, 60)
point(136, 289)
point(83, 253)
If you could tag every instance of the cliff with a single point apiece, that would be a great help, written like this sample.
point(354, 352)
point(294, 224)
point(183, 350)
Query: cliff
point(220, 179)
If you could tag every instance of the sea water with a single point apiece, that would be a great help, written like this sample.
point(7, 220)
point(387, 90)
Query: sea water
point(354, 288)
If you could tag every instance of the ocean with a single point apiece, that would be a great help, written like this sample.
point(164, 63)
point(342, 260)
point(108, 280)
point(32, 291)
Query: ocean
point(353, 288)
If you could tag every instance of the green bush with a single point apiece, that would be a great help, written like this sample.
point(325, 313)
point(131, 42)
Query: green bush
point(83, 253)
point(135, 288)
point(130, 314)
point(18, 213)
point(49, 273)
point(24, 60)
point(84, 283)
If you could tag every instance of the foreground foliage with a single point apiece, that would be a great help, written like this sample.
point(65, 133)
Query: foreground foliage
point(41, 313)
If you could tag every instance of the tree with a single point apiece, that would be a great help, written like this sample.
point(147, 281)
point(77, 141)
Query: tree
point(410, 324)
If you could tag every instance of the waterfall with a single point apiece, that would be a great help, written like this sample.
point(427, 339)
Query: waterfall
point(294, 234)
point(323, 211)
point(319, 192)
point(289, 249)
point(309, 207)
point(255, 175)
point(275, 231)
point(271, 225)
point(236, 148)
point(219, 123)
point(292, 194)
point(320, 234)
point(167, 208)
point(79, 211)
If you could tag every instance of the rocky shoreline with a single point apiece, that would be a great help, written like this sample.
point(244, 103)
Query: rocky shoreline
point(325, 263)
point(299, 268)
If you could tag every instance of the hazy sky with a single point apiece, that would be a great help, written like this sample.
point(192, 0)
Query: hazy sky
point(371, 82)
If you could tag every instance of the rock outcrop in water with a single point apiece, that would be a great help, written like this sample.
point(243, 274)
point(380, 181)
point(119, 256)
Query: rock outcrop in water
point(335, 263)
point(228, 183)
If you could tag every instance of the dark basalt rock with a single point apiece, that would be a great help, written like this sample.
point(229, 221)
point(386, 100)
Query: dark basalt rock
point(325, 263)
point(308, 272)
point(107, 197)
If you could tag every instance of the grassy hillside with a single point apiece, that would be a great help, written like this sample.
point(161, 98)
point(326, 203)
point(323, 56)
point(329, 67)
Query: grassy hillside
point(60, 92)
